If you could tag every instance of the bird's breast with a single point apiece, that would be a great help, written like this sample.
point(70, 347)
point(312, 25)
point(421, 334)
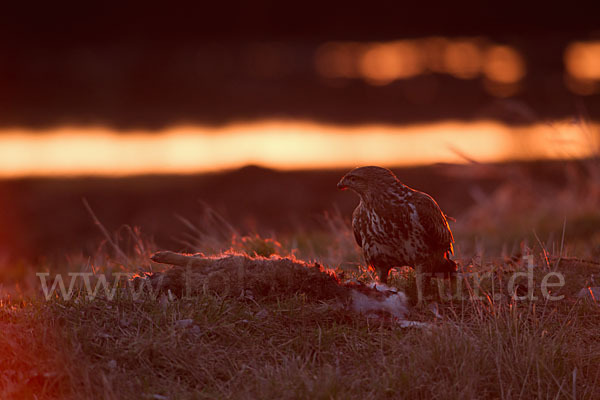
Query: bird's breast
point(395, 230)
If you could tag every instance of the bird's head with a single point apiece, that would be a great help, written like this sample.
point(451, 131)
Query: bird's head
point(364, 179)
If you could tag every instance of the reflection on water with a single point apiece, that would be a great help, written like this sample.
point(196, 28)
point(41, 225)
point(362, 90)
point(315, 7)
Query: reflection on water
point(381, 63)
point(503, 67)
point(283, 144)
point(582, 62)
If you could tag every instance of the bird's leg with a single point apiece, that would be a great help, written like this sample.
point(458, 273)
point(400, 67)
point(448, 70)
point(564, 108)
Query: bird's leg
point(419, 278)
point(383, 273)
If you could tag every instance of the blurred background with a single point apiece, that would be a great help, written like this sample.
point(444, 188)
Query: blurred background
point(166, 116)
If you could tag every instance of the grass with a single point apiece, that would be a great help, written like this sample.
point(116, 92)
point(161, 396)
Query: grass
point(212, 345)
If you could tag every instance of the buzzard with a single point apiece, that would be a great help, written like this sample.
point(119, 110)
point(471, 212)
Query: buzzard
point(398, 226)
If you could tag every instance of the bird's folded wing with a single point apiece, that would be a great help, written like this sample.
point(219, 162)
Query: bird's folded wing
point(433, 220)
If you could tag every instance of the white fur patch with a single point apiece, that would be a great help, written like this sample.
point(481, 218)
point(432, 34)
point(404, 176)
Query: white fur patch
point(382, 287)
point(395, 304)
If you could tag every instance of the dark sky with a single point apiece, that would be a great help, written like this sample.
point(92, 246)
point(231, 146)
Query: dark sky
point(148, 65)
point(67, 24)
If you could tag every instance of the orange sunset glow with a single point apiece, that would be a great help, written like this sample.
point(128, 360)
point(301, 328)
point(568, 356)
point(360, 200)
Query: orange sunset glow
point(380, 63)
point(582, 62)
point(281, 144)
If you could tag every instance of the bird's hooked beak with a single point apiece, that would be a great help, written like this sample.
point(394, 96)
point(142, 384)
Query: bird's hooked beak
point(342, 185)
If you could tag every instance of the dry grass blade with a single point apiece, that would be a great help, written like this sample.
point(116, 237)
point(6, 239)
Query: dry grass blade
point(107, 236)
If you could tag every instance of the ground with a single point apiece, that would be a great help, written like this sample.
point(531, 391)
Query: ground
point(478, 343)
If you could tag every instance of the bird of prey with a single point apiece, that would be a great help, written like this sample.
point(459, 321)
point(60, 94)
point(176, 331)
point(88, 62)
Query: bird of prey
point(398, 226)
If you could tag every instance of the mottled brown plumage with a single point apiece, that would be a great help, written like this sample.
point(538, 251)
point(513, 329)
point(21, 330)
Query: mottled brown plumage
point(398, 226)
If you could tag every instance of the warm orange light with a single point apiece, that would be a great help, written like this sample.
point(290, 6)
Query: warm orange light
point(583, 87)
point(383, 63)
point(279, 144)
point(503, 64)
point(433, 53)
point(463, 59)
point(582, 60)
